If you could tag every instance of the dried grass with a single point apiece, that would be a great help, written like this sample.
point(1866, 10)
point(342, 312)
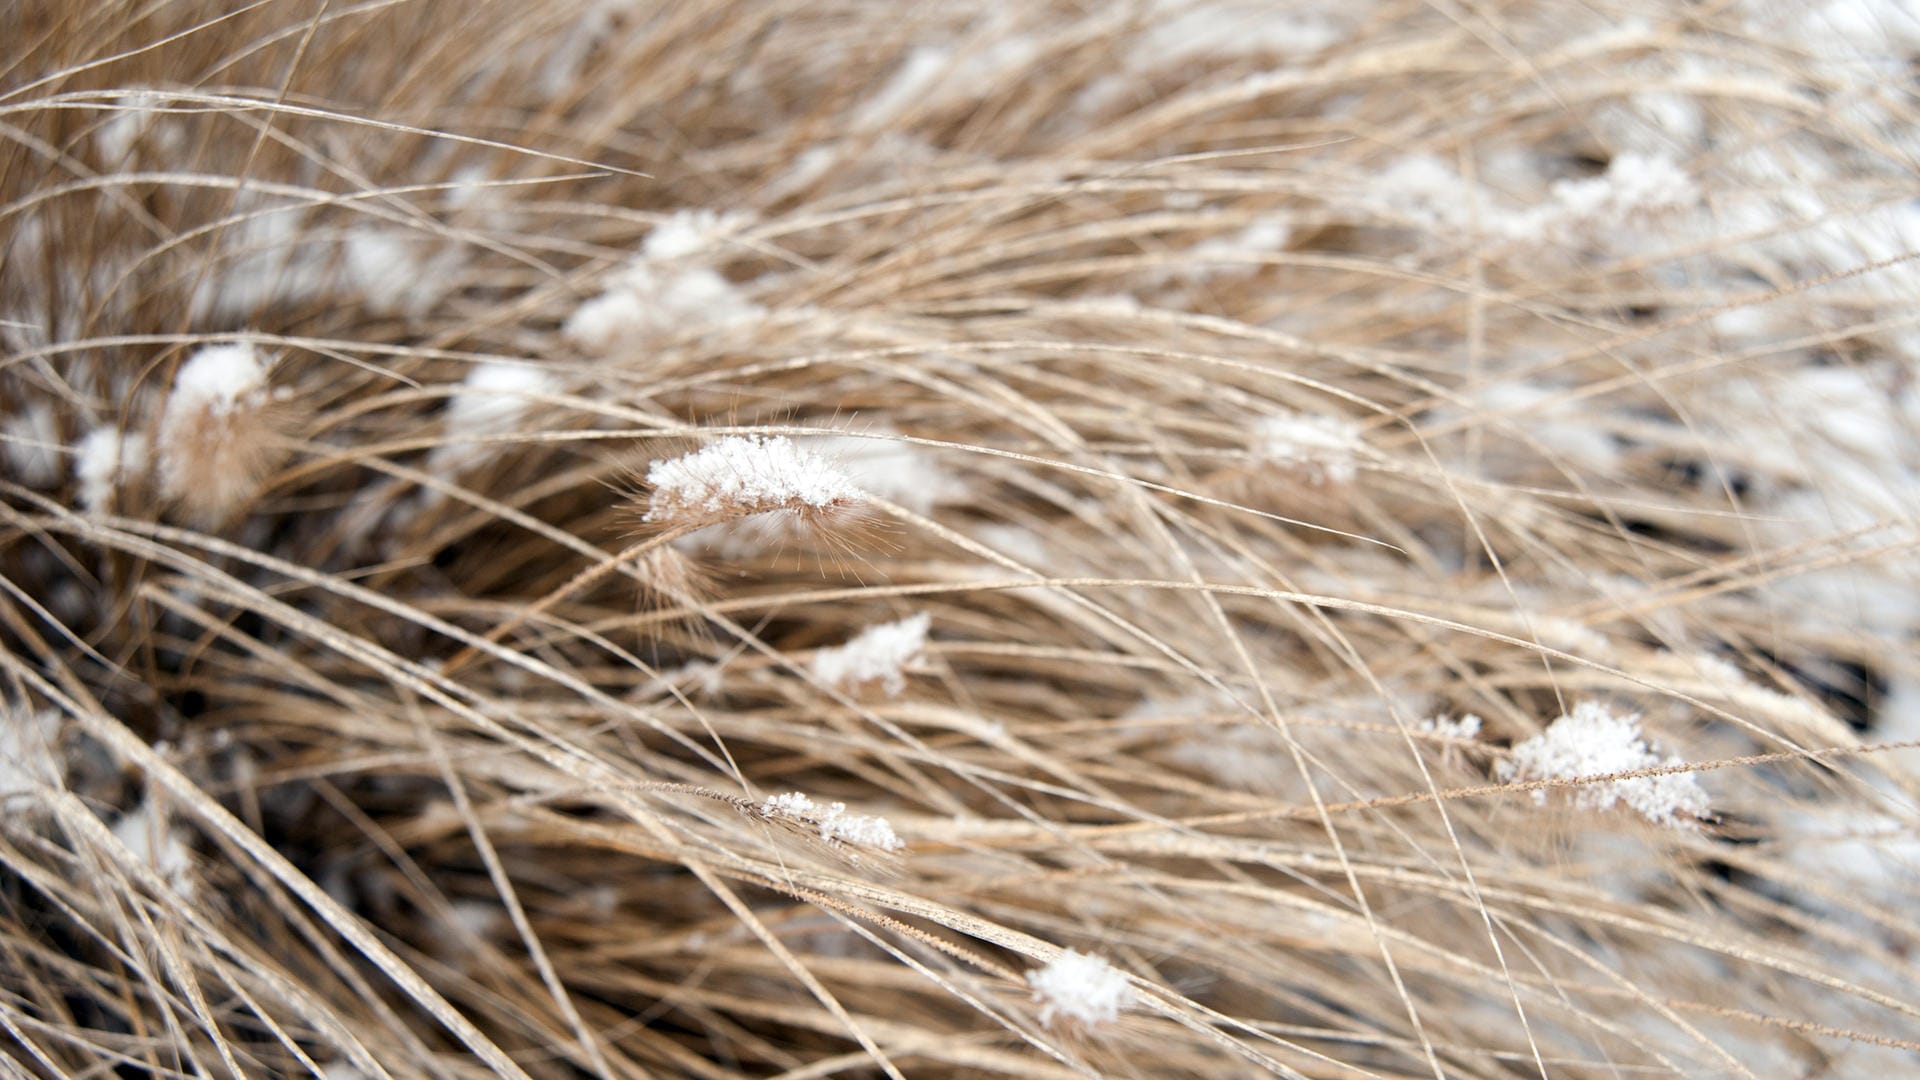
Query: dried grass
point(468, 761)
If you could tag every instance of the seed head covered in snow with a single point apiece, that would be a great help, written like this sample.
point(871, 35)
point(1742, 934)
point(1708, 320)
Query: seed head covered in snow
point(215, 443)
point(1082, 987)
point(29, 755)
point(833, 821)
point(876, 654)
point(899, 472)
point(1591, 741)
point(1324, 448)
point(742, 475)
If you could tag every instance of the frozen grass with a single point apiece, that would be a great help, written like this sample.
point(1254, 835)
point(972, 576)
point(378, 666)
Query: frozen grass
point(1237, 399)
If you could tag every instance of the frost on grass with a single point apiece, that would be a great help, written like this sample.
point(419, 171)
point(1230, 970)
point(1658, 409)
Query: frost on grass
point(833, 822)
point(738, 476)
point(876, 654)
point(1325, 449)
point(105, 462)
point(491, 401)
point(29, 750)
point(1592, 741)
point(215, 443)
point(1081, 987)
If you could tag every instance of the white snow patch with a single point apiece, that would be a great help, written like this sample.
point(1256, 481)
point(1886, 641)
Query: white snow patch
point(33, 445)
point(493, 400)
point(741, 475)
point(1592, 741)
point(672, 287)
point(103, 462)
point(1326, 448)
point(877, 653)
point(833, 821)
point(1080, 986)
point(29, 758)
point(157, 843)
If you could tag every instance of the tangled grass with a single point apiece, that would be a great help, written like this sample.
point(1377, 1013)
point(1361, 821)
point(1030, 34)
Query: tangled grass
point(775, 538)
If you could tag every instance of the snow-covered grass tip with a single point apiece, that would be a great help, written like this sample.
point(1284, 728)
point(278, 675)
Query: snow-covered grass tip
point(1593, 741)
point(217, 437)
point(739, 476)
point(877, 654)
point(1081, 987)
point(832, 822)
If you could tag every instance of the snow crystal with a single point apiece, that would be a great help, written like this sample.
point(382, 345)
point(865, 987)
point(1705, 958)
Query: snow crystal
point(1634, 185)
point(1080, 986)
point(833, 821)
point(741, 475)
point(899, 472)
point(876, 653)
point(1591, 741)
